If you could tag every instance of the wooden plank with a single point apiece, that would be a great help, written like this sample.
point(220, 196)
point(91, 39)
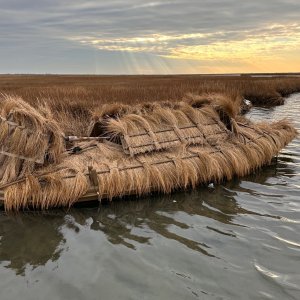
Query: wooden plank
point(171, 129)
point(38, 161)
point(91, 195)
point(1, 198)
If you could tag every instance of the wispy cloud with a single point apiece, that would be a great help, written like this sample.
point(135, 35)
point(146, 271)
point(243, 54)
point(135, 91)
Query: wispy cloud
point(199, 30)
point(215, 45)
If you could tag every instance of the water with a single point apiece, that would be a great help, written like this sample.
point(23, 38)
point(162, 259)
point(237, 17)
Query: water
point(240, 240)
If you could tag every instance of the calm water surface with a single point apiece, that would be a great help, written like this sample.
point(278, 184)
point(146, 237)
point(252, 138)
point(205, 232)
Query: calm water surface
point(240, 240)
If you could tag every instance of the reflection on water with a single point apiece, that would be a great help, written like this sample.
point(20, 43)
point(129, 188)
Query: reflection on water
point(30, 239)
point(239, 240)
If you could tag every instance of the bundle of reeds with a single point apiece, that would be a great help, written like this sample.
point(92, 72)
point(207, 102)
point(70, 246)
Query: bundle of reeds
point(104, 170)
point(28, 139)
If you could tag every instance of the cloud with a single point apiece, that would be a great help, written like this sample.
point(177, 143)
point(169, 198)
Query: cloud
point(182, 29)
point(245, 43)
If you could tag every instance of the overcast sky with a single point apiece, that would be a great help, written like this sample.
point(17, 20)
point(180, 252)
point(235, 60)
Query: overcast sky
point(144, 37)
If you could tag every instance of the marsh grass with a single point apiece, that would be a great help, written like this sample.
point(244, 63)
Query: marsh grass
point(91, 91)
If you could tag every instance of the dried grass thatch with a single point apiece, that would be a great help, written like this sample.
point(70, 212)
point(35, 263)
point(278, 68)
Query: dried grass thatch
point(159, 126)
point(211, 143)
point(28, 139)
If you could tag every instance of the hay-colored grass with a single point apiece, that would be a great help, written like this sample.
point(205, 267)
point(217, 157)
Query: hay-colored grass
point(29, 139)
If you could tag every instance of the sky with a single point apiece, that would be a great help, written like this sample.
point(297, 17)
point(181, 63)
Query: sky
point(149, 37)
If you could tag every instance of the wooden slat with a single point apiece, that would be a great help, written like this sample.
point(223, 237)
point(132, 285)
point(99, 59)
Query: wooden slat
point(1, 198)
point(38, 161)
point(91, 195)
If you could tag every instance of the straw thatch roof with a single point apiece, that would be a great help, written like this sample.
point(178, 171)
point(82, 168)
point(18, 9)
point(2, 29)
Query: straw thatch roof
point(171, 146)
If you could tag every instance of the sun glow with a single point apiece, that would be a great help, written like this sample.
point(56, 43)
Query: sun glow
point(273, 46)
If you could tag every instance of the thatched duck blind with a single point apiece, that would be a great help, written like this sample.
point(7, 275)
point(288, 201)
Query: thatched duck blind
point(137, 150)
